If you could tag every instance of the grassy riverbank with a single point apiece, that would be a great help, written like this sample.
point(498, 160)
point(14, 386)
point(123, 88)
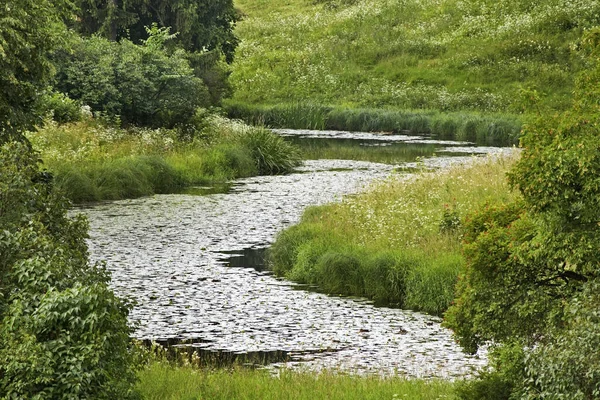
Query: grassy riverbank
point(92, 161)
point(162, 381)
point(397, 243)
point(491, 129)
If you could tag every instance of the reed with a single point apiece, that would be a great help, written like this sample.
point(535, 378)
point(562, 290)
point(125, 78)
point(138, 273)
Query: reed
point(488, 129)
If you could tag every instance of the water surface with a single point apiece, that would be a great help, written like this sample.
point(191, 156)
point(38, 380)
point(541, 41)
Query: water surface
point(191, 264)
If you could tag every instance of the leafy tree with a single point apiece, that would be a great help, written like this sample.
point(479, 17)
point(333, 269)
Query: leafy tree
point(143, 84)
point(532, 266)
point(29, 29)
point(63, 332)
point(200, 24)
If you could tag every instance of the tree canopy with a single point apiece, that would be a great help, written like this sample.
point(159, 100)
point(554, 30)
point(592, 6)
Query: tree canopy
point(533, 267)
point(199, 24)
point(28, 31)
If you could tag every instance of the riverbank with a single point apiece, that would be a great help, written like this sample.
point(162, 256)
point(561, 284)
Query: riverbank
point(398, 243)
point(163, 381)
point(92, 161)
point(484, 129)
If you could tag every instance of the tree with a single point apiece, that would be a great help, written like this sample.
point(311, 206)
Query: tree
point(63, 332)
point(200, 25)
point(532, 267)
point(142, 84)
point(29, 29)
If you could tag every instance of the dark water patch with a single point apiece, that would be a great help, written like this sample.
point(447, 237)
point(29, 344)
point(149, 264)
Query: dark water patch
point(191, 351)
point(252, 257)
point(363, 150)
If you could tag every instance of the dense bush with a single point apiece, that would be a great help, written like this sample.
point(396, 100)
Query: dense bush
point(63, 332)
point(29, 30)
point(144, 85)
point(532, 267)
point(60, 107)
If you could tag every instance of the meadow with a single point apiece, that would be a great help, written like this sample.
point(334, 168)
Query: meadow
point(443, 55)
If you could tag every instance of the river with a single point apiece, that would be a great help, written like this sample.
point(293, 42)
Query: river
point(192, 264)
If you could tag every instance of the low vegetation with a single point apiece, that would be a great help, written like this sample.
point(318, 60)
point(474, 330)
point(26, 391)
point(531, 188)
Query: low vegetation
point(487, 129)
point(92, 161)
point(397, 243)
point(162, 381)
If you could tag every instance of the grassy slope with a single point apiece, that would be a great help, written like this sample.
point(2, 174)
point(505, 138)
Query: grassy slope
point(437, 54)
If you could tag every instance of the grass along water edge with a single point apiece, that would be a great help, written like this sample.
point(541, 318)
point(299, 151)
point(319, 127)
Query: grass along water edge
point(160, 380)
point(398, 242)
point(93, 162)
point(488, 129)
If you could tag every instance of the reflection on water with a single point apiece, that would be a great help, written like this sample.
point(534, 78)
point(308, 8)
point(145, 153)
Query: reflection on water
point(181, 257)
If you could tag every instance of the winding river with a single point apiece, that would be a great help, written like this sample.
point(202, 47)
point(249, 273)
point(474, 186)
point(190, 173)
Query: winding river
point(192, 264)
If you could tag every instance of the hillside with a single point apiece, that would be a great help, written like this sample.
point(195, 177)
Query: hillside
point(447, 55)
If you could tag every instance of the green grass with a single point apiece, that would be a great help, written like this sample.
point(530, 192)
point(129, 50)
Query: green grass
point(161, 381)
point(397, 243)
point(94, 162)
point(351, 149)
point(490, 129)
point(446, 55)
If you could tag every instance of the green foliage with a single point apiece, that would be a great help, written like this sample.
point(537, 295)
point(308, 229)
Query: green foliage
point(142, 84)
point(386, 243)
point(28, 31)
point(63, 332)
point(565, 364)
point(199, 25)
point(430, 285)
point(271, 153)
point(162, 381)
point(532, 267)
point(501, 380)
point(61, 108)
point(94, 162)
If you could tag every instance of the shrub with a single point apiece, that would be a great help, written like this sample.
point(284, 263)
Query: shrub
point(565, 364)
point(143, 84)
point(63, 332)
point(61, 107)
point(271, 153)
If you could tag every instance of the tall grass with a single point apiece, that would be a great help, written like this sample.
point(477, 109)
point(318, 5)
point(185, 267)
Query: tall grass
point(490, 129)
point(94, 162)
point(162, 381)
point(397, 243)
